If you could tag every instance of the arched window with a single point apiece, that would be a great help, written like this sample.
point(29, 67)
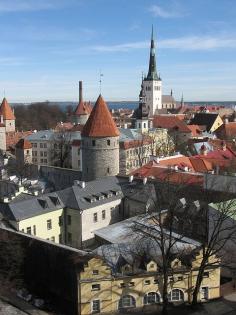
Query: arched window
point(127, 301)
point(176, 295)
point(151, 298)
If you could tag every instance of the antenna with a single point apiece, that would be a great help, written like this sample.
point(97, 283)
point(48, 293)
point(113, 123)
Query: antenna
point(100, 82)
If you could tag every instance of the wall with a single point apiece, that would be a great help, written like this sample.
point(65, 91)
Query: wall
point(111, 291)
point(10, 125)
point(40, 222)
point(153, 95)
point(3, 138)
point(101, 159)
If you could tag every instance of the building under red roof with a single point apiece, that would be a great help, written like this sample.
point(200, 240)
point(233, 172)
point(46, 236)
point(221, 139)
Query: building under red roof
point(14, 136)
point(6, 111)
point(162, 173)
point(83, 108)
point(23, 144)
point(100, 122)
point(170, 122)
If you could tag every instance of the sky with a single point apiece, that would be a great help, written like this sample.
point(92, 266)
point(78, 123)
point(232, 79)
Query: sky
point(47, 46)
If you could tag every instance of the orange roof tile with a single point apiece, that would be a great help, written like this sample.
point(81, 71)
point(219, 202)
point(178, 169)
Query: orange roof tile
point(23, 144)
point(170, 122)
point(6, 111)
point(14, 136)
point(100, 122)
point(83, 108)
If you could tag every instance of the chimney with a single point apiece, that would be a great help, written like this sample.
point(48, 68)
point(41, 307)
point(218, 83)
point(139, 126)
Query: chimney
point(80, 91)
point(203, 150)
point(223, 146)
point(131, 177)
point(144, 180)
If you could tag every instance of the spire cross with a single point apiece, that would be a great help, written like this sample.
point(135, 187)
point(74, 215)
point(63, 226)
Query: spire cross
point(100, 82)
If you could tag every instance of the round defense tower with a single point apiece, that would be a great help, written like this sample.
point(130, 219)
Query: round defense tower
point(100, 144)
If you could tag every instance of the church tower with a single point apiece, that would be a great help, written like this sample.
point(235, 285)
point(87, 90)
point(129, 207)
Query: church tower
point(142, 121)
point(100, 144)
point(152, 84)
point(8, 116)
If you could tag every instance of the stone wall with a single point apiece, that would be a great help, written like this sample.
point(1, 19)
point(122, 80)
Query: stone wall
point(100, 157)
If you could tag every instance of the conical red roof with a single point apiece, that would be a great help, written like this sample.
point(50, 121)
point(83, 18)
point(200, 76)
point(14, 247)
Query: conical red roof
point(82, 109)
point(100, 122)
point(6, 111)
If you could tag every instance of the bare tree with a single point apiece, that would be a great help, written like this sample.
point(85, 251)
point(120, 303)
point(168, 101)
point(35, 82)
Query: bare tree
point(220, 237)
point(161, 231)
point(61, 147)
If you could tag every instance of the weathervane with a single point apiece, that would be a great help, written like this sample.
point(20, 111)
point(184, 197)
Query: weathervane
point(100, 82)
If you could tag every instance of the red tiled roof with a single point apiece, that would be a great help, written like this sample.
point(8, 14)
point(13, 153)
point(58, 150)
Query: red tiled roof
point(64, 126)
point(100, 122)
point(6, 111)
point(23, 144)
point(201, 165)
point(170, 122)
point(227, 130)
point(195, 129)
point(14, 136)
point(180, 161)
point(83, 108)
point(164, 174)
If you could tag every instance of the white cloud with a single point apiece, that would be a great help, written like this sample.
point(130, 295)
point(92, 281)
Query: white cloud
point(156, 10)
point(180, 43)
point(29, 5)
point(121, 47)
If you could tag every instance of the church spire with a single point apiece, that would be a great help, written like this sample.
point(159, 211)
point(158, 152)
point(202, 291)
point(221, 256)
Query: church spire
point(152, 71)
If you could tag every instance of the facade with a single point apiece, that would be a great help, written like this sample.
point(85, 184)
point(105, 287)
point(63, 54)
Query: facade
point(211, 121)
point(107, 289)
point(168, 101)
point(100, 144)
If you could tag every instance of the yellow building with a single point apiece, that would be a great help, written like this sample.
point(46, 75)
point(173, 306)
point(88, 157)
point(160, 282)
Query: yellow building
point(103, 289)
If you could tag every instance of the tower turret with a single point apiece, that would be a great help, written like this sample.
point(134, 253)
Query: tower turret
point(8, 116)
point(152, 83)
point(100, 143)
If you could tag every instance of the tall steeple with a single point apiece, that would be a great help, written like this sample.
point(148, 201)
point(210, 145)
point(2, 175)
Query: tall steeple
point(152, 71)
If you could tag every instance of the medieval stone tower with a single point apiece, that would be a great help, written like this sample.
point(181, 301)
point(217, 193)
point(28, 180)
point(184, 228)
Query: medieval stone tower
point(100, 144)
point(83, 109)
point(8, 116)
point(23, 152)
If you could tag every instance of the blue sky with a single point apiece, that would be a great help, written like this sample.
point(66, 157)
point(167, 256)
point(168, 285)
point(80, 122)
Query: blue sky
point(47, 46)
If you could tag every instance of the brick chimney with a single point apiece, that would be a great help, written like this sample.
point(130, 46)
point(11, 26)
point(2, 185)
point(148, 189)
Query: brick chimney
point(80, 91)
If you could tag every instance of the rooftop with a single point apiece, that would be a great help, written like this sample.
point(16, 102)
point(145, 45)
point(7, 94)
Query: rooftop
point(100, 122)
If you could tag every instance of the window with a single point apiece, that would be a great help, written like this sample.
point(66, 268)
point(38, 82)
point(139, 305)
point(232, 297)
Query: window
point(60, 222)
point(28, 230)
point(41, 145)
point(146, 282)
point(206, 274)
point(45, 145)
point(45, 153)
point(127, 301)
point(93, 143)
point(27, 151)
point(155, 281)
point(95, 272)
point(103, 214)
point(96, 306)
point(69, 237)
point(69, 220)
point(108, 142)
point(176, 295)
point(151, 298)
point(122, 285)
point(204, 293)
point(60, 238)
point(49, 224)
point(23, 230)
point(41, 161)
point(108, 170)
point(95, 217)
point(180, 278)
point(96, 287)
point(41, 153)
point(34, 229)
point(45, 161)
point(131, 284)
point(53, 238)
